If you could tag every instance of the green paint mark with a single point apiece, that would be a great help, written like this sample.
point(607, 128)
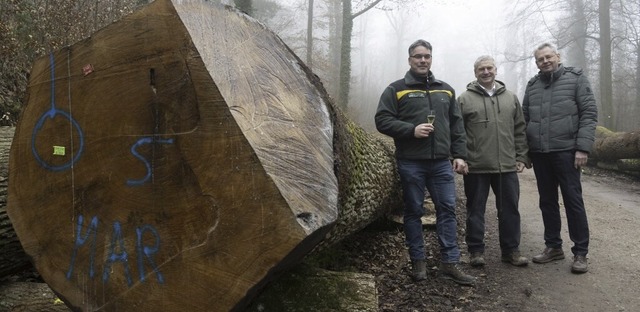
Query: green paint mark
point(58, 150)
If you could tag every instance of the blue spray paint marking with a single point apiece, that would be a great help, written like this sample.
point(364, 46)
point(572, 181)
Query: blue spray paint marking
point(116, 238)
point(148, 251)
point(92, 231)
point(117, 241)
point(145, 140)
point(51, 114)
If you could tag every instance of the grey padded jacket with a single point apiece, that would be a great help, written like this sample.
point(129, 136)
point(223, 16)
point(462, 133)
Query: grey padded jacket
point(560, 111)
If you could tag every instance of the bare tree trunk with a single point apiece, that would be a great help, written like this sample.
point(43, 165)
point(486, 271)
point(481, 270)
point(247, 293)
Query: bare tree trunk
point(345, 50)
point(578, 33)
point(345, 55)
point(606, 90)
point(335, 35)
point(636, 108)
point(310, 35)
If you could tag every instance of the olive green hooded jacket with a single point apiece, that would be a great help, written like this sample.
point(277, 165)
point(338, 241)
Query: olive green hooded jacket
point(495, 128)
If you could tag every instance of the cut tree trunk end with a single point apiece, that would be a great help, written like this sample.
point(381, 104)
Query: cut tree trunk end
point(181, 159)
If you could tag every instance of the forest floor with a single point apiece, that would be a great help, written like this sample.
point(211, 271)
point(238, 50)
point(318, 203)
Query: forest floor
point(612, 201)
point(613, 207)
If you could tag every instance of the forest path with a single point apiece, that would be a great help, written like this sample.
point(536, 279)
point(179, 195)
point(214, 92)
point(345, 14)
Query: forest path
point(613, 210)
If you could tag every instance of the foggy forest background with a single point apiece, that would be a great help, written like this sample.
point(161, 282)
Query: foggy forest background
point(357, 47)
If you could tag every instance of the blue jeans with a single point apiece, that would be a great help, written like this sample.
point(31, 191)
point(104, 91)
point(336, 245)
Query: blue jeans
point(553, 170)
point(438, 177)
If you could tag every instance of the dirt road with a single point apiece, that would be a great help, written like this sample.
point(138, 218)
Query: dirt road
point(612, 283)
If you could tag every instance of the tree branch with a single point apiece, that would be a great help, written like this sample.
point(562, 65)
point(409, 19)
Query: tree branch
point(369, 7)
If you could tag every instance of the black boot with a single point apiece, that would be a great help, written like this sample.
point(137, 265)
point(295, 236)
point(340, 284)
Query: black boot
point(453, 272)
point(418, 270)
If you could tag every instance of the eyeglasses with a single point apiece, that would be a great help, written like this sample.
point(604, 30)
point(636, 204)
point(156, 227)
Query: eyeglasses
point(421, 56)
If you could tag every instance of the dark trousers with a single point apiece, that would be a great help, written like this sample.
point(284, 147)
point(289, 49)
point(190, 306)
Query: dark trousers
point(506, 189)
point(553, 170)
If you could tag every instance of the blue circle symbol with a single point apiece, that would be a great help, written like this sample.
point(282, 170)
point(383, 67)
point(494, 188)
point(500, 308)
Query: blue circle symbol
point(51, 114)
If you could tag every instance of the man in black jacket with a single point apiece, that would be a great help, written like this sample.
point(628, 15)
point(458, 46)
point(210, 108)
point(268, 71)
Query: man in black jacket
point(423, 153)
point(561, 115)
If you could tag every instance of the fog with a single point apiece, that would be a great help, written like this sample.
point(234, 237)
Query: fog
point(460, 32)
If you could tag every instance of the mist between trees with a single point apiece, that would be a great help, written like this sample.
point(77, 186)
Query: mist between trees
point(358, 47)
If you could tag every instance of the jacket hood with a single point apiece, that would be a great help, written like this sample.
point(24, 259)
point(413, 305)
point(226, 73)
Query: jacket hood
point(474, 86)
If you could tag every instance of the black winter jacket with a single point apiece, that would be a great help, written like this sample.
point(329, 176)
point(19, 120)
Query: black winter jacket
point(405, 103)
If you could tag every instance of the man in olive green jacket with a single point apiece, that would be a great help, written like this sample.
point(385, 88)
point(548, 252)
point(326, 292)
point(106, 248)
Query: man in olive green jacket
point(496, 152)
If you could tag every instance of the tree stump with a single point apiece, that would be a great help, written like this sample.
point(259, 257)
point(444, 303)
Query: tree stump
point(180, 159)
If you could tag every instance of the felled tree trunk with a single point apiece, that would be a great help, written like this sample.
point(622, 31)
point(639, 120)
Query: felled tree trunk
point(182, 158)
point(12, 256)
point(618, 145)
point(29, 297)
point(628, 164)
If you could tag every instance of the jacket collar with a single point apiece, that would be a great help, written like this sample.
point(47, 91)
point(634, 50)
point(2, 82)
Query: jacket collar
point(549, 78)
point(474, 86)
point(411, 80)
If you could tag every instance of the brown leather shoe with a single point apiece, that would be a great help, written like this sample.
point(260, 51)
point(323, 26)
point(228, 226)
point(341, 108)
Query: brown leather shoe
point(548, 255)
point(579, 265)
point(515, 259)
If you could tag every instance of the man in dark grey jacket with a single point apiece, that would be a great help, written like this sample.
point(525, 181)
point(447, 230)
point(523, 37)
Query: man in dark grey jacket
point(561, 115)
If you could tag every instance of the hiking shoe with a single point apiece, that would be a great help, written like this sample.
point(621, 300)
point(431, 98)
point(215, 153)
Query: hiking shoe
point(515, 259)
point(548, 255)
point(418, 270)
point(476, 259)
point(579, 265)
point(451, 271)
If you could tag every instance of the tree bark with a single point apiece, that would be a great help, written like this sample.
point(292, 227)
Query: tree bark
point(629, 164)
point(614, 146)
point(12, 257)
point(29, 297)
point(182, 158)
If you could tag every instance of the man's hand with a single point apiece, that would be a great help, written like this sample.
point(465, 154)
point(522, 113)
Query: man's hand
point(520, 166)
point(460, 166)
point(422, 130)
point(581, 159)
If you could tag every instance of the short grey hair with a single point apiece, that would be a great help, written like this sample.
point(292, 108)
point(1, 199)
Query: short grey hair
point(482, 59)
point(418, 43)
point(545, 45)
